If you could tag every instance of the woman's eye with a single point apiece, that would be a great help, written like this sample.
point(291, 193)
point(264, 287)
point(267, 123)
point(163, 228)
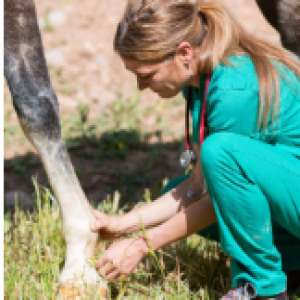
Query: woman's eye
point(146, 77)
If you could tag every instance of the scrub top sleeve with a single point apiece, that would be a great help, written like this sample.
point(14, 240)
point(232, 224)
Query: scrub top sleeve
point(232, 110)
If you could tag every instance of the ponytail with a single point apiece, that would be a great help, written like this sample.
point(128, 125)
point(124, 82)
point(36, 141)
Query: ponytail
point(220, 34)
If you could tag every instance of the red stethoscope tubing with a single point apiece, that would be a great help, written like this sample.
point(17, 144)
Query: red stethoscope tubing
point(203, 125)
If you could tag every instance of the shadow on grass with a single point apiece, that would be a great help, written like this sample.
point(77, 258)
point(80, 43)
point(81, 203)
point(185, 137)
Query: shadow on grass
point(126, 161)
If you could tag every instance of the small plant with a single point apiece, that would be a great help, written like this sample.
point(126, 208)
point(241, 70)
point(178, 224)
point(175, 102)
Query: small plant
point(66, 89)
point(47, 24)
point(63, 3)
point(9, 130)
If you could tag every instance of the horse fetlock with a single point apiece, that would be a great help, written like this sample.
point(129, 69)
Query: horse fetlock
point(78, 233)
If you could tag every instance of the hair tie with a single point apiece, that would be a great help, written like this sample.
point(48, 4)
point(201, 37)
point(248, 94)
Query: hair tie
point(199, 12)
point(196, 7)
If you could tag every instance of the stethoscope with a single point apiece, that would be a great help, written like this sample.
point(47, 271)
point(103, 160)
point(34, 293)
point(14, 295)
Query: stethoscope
point(188, 158)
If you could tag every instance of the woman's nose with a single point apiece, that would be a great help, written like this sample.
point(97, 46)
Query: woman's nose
point(141, 84)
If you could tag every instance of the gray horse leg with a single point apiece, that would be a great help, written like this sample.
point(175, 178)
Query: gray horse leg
point(37, 109)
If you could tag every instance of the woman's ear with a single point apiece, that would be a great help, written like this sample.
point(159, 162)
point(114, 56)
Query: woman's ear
point(184, 53)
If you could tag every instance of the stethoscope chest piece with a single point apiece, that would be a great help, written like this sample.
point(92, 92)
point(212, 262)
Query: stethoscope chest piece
point(188, 159)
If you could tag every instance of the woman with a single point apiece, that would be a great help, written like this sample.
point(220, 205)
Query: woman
point(250, 160)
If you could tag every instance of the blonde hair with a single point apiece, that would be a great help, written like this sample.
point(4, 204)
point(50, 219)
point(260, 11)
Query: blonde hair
point(151, 31)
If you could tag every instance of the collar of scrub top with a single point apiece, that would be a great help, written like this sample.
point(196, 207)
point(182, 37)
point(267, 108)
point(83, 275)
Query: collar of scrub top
point(203, 125)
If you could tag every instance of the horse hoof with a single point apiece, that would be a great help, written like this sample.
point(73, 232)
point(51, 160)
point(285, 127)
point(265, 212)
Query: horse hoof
point(77, 291)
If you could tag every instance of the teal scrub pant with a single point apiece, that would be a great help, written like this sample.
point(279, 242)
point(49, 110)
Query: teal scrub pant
point(255, 190)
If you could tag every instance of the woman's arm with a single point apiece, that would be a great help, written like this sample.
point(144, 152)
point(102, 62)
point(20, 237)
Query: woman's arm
point(122, 257)
point(189, 220)
point(154, 213)
point(166, 206)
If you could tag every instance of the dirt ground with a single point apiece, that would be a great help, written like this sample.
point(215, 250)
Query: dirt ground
point(85, 69)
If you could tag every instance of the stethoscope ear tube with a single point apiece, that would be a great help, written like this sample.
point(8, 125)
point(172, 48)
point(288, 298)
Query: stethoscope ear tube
point(188, 158)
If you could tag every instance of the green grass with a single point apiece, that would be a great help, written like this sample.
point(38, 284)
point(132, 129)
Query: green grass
point(34, 253)
point(33, 250)
point(47, 25)
point(9, 130)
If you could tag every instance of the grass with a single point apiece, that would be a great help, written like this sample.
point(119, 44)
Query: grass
point(34, 252)
point(9, 130)
point(47, 25)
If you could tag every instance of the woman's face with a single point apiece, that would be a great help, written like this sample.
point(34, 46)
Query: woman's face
point(165, 78)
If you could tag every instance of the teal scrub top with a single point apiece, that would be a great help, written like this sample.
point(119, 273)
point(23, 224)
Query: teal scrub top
point(232, 104)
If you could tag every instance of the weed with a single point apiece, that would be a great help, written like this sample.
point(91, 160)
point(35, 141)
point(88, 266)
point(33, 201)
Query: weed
point(66, 89)
point(63, 3)
point(47, 24)
point(9, 130)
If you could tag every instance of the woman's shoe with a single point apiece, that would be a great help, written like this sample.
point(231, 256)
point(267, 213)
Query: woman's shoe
point(247, 291)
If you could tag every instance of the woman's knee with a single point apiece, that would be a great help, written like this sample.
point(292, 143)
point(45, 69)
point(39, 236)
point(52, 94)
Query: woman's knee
point(216, 150)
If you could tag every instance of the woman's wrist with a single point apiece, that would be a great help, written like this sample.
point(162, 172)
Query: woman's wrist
point(192, 219)
point(145, 244)
point(162, 209)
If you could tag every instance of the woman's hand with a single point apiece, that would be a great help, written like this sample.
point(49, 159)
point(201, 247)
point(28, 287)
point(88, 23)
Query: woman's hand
point(121, 258)
point(110, 227)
